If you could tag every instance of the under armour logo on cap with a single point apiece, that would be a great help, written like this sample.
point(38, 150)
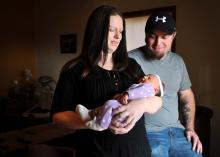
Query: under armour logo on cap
point(163, 19)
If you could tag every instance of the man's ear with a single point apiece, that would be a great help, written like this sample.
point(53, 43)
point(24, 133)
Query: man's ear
point(146, 36)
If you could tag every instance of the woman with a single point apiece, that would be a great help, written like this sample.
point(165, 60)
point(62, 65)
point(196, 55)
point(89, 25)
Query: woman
point(102, 70)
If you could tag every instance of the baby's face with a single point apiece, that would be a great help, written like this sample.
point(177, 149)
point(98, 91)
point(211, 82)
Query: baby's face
point(152, 79)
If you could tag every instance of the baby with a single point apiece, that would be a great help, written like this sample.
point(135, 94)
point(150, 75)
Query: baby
point(149, 85)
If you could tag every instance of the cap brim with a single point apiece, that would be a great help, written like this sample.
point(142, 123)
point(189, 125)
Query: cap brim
point(162, 29)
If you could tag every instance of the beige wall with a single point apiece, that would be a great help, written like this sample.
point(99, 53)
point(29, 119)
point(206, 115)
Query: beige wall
point(16, 41)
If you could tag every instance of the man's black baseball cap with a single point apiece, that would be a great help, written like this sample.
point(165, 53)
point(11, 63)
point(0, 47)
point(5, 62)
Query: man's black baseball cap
point(161, 21)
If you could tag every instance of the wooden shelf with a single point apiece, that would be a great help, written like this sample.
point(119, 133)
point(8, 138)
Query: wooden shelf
point(19, 139)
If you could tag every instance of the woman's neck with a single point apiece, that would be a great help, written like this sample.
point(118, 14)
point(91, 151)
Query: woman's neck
point(106, 64)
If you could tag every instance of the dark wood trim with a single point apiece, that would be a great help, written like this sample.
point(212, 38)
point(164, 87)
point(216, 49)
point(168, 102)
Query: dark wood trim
point(171, 9)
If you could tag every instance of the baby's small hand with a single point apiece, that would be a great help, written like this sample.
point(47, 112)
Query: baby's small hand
point(124, 99)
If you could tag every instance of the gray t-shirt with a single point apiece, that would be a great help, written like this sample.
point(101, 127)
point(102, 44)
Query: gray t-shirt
point(173, 73)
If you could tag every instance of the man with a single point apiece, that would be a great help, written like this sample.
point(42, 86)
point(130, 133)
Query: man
point(167, 136)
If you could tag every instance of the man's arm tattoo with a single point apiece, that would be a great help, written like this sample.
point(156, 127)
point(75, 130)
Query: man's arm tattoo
point(186, 115)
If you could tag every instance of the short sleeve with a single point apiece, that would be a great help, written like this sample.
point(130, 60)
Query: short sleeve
point(185, 82)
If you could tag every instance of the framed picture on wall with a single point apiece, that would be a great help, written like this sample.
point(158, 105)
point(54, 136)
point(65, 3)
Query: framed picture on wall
point(68, 43)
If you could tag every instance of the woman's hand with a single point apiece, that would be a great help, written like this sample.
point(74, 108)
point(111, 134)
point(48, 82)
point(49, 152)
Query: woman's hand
point(121, 130)
point(132, 112)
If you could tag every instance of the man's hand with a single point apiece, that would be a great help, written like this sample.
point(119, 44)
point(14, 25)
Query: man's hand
point(193, 137)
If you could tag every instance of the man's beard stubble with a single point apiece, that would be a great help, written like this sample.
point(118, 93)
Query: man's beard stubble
point(153, 55)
